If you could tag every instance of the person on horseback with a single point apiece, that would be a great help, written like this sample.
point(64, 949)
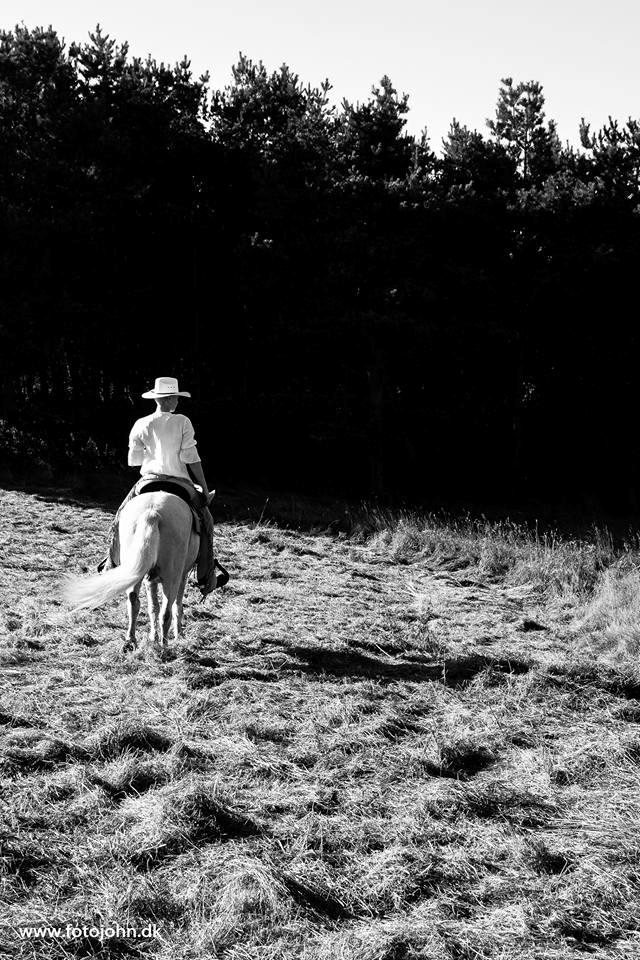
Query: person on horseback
point(163, 445)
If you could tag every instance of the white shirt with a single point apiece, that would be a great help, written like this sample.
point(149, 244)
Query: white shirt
point(163, 443)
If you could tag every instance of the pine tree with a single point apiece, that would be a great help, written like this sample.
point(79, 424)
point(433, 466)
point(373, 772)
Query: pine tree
point(520, 126)
point(372, 140)
point(470, 160)
point(615, 156)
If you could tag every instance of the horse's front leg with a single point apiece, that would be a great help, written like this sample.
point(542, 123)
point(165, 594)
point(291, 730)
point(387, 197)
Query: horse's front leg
point(133, 609)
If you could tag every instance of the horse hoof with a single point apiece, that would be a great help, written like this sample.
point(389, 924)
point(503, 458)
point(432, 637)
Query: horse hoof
point(129, 646)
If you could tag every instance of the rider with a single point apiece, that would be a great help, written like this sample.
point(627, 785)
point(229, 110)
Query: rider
point(163, 445)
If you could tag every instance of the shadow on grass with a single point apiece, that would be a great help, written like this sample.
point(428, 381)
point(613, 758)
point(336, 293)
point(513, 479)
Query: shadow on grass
point(133, 785)
point(453, 671)
point(322, 661)
point(48, 754)
point(461, 762)
point(105, 490)
point(14, 720)
point(195, 820)
point(110, 742)
point(64, 497)
point(24, 862)
point(578, 677)
point(88, 491)
point(317, 900)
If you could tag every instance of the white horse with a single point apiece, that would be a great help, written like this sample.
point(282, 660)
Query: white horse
point(157, 540)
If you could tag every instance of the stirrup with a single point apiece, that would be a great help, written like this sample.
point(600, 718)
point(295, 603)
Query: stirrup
point(221, 580)
point(205, 587)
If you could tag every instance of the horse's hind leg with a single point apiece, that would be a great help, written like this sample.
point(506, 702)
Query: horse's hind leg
point(133, 609)
point(177, 611)
point(153, 602)
point(167, 615)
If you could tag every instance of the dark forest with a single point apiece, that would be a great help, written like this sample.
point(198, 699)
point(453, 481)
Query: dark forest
point(352, 311)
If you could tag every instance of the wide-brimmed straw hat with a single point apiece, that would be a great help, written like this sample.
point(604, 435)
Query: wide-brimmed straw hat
point(165, 387)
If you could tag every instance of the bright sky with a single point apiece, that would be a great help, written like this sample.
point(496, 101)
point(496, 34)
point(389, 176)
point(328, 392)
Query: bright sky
point(448, 55)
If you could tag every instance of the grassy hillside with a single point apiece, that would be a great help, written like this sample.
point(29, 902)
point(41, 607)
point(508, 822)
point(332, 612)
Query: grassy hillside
point(418, 740)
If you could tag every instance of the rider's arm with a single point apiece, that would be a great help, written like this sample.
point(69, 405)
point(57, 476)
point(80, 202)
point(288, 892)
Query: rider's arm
point(196, 471)
point(190, 457)
point(135, 456)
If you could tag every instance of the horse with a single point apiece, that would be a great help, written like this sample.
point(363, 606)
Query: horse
point(157, 541)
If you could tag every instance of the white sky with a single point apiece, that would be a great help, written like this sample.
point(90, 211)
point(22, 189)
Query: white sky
point(448, 55)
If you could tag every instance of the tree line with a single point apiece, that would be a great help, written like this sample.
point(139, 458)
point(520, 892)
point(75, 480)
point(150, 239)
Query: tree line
point(351, 310)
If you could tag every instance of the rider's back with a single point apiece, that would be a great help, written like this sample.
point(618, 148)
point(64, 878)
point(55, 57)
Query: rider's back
point(162, 444)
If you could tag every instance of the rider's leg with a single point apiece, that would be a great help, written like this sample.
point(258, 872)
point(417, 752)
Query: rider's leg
point(206, 559)
point(211, 573)
point(112, 557)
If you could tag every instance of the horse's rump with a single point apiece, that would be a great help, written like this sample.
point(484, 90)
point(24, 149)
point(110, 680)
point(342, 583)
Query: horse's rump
point(174, 521)
point(155, 535)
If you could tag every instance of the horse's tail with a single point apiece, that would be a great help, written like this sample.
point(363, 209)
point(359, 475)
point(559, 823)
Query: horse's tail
point(96, 590)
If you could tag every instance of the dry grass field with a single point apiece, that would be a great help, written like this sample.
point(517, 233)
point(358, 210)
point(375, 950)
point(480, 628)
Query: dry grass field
point(413, 741)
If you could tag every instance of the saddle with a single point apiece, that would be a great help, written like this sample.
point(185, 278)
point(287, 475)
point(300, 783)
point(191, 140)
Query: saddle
point(166, 486)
